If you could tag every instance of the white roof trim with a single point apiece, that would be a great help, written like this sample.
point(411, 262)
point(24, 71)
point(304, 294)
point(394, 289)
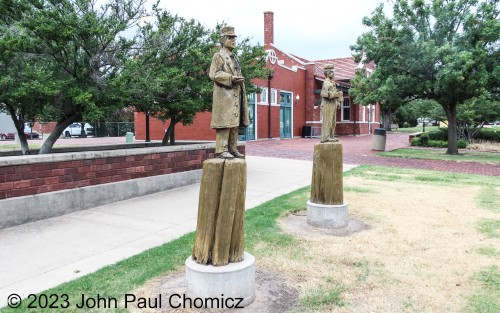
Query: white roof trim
point(292, 57)
point(294, 68)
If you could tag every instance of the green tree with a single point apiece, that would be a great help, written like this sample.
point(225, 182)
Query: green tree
point(474, 114)
point(83, 40)
point(27, 81)
point(440, 50)
point(168, 75)
point(366, 91)
point(410, 112)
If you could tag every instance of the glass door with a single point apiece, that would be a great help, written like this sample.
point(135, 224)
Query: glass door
point(285, 115)
point(248, 133)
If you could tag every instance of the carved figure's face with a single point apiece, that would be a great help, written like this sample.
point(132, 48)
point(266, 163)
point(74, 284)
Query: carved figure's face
point(230, 42)
point(329, 73)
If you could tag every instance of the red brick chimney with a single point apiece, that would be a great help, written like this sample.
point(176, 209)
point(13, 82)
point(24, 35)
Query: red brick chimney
point(268, 28)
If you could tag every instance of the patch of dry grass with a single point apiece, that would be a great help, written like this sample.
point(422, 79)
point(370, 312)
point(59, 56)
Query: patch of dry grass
point(486, 146)
point(420, 255)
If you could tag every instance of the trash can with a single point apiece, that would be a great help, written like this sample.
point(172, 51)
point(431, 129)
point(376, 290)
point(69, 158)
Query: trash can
point(129, 137)
point(306, 131)
point(378, 139)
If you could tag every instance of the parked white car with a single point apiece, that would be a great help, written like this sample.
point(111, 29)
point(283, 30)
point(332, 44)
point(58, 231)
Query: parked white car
point(75, 130)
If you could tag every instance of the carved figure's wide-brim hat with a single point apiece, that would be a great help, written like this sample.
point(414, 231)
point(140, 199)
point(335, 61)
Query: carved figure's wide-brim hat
point(227, 31)
point(328, 67)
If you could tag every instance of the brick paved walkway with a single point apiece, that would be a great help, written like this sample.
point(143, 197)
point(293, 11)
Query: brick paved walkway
point(357, 150)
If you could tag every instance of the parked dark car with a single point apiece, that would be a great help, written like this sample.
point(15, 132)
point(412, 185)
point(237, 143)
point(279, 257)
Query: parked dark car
point(10, 136)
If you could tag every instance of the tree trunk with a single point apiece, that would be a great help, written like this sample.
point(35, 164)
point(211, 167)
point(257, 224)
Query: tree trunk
point(386, 118)
point(451, 114)
point(19, 124)
point(82, 130)
point(56, 133)
point(22, 138)
point(169, 134)
point(475, 131)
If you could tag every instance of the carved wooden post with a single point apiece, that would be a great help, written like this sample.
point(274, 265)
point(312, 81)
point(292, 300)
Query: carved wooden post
point(327, 209)
point(327, 185)
point(221, 210)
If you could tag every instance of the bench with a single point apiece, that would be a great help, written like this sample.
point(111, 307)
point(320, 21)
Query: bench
point(413, 135)
point(394, 126)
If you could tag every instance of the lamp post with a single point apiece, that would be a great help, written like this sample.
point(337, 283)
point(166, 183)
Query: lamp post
point(147, 126)
point(269, 78)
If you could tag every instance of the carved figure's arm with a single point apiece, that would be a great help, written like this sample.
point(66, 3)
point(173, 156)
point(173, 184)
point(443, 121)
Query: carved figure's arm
point(217, 73)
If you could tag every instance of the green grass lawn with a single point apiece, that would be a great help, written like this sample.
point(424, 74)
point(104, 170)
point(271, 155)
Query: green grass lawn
point(17, 147)
point(127, 275)
point(416, 129)
point(14, 147)
point(263, 237)
point(440, 154)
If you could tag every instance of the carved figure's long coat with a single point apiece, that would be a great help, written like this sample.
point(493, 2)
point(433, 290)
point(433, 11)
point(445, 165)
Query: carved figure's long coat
point(229, 108)
point(330, 102)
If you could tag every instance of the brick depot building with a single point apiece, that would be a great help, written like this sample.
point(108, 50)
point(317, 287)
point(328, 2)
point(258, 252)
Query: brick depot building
point(291, 108)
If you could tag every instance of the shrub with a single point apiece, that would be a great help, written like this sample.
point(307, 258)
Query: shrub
point(462, 143)
point(437, 144)
point(441, 134)
point(418, 142)
point(488, 135)
point(424, 140)
point(415, 142)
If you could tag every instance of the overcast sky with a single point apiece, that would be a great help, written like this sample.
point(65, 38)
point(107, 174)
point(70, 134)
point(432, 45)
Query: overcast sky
point(314, 30)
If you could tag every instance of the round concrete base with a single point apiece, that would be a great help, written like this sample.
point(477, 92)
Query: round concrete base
point(327, 216)
point(225, 286)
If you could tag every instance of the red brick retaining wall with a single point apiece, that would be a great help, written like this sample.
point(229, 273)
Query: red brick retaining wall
point(38, 177)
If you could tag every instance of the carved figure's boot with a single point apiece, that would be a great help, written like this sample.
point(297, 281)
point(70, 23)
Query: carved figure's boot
point(237, 154)
point(224, 155)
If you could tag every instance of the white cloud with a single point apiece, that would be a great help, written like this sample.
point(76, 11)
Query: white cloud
point(318, 29)
point(315, 30)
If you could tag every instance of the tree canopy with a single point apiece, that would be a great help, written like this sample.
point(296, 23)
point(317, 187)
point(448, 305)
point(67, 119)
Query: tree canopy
point(167, 75)
point(71, 60)
point(27, 80)
point(76, 53)
point(441, 50)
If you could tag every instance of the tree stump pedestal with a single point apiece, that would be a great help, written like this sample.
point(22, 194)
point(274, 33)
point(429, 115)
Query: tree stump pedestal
point(326, 208)
point(219, 267)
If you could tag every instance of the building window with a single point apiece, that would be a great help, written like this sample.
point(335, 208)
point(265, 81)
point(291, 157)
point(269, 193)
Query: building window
point(251, 97)
point(346, 109)
point(263, 95)
point(274, 93)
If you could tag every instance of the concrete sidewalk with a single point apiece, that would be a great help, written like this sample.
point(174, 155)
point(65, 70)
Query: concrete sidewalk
point(44, 254)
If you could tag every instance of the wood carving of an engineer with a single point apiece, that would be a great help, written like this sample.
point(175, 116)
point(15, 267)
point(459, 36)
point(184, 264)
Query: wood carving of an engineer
point(229, 107)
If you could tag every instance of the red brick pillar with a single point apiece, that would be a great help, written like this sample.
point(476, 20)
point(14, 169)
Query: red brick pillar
point(268, 28)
